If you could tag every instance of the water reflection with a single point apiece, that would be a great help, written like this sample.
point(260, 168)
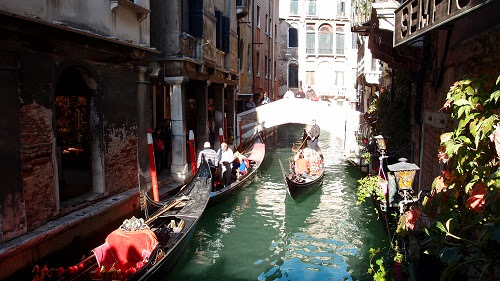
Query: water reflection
point(262, 234)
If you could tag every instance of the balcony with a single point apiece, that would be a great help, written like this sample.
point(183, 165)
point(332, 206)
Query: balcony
point(373, 77)
point(140, 11)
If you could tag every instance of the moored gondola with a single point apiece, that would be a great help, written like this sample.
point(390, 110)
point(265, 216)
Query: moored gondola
point(142, 250)
point(304, 182)
point(255, 157)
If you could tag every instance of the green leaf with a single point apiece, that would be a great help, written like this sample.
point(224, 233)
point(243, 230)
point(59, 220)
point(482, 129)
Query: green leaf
point(449, 254)
point(440, 226)
point(448, 225)
point(462, 102)
point(498, 80)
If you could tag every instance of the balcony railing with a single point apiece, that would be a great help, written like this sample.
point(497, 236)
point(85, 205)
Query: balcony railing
point(361, 10)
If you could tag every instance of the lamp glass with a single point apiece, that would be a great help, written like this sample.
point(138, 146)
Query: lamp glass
point(381, 142)
point(405, 178)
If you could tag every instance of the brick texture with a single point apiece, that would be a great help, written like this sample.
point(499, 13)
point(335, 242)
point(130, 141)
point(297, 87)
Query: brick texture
point(37, 161)
point(121, 164)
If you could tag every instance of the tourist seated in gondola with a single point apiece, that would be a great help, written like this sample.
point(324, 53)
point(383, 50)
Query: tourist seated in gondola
point(301, 165)
point(243, 164)
point(314, 161)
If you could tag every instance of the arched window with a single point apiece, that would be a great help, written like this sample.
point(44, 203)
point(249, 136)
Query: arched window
point(293, 75)
point(293, 37)
point(325, 39)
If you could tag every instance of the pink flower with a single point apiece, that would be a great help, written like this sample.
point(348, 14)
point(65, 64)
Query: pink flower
point(476, 200)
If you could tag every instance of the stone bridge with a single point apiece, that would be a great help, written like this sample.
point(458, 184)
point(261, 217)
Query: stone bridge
point(338, 118)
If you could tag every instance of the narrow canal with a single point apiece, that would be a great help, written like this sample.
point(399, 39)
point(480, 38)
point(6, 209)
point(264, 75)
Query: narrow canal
point(262, 234)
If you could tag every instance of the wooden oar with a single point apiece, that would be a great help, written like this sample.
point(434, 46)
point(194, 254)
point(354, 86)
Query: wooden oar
point(173, 204)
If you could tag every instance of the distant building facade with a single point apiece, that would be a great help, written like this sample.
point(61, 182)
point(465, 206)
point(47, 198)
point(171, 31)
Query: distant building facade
point(196, 84)
point(317, 48)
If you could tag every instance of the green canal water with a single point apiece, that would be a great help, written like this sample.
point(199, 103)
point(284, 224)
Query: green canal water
point(262, 234)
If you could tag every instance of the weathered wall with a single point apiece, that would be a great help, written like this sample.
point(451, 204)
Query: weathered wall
point(118, 86)
point(94, 15)
point(12, 213)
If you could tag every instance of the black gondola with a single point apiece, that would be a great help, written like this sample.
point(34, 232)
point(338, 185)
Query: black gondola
point(166, 232)
point(255, 157)
point(301, 184)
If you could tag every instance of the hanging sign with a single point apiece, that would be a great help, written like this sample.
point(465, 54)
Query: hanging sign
point(415, 17)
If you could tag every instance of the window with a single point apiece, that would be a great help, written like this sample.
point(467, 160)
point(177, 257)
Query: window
point(310, 38)
point(266, 67)
point(267, 24)
point(294, 7)
point(218, 29)
point(258, 16)
point(293, 75)
point(325, 39)
point(310, 78)
point(240, 55)
point(341, 8)
point(195, 17)
point(276, 31)
point(340, 36)
point(249, 58)
point(311, 7)
point(270, 25)
point(293, 37)
point(339, 78)
point(275, 76)
point(269, 67)
point(257, 62)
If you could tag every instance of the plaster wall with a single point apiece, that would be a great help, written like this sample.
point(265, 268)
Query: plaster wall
point(92, 15)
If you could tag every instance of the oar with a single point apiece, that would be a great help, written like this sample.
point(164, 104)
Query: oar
point(173, 204)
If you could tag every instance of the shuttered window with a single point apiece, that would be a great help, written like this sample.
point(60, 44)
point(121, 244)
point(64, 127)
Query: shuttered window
point(196, 18)
point(293, 37)
point(225, 34)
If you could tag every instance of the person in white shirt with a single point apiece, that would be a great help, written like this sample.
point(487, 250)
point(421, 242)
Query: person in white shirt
point(289, 94)
point(226, 157)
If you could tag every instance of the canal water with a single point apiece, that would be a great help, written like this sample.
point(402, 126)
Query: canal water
point(262, 234)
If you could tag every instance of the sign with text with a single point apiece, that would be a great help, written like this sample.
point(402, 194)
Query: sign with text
point(415, 17)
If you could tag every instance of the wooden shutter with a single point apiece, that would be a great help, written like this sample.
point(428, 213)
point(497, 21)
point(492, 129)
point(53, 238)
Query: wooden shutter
point(225, 34)
point(196, 18)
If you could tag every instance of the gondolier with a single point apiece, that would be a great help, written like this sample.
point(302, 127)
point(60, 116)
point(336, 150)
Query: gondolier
point(313, 135)
point(210, 155)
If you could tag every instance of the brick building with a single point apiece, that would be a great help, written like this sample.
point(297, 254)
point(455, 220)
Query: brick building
point(74, 81)
point(435, 57)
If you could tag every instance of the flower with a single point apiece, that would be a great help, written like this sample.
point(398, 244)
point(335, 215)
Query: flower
point(412, 216)
point(476, 200)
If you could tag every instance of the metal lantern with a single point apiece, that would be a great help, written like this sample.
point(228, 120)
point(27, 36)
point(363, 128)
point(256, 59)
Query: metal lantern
point(404, 173)
point(381, 143)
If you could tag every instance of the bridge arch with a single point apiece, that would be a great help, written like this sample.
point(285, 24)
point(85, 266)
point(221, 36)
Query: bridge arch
point(330, 116)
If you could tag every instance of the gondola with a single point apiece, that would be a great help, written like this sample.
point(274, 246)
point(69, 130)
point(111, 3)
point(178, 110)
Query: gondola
point(163, 237)
point(299, 185)
point(255, 157)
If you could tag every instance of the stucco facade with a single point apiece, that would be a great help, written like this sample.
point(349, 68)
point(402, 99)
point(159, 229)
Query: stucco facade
point(316, 48)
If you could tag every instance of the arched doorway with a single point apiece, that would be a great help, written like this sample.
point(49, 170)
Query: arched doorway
point(75, 90)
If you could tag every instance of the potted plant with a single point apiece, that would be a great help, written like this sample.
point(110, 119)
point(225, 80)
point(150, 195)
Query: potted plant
point(370, 187)
point(398, 265)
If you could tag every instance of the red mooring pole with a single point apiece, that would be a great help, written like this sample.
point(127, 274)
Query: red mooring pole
point(221, 136)
point(239, 131)
point(192, 151)
point(152, 166)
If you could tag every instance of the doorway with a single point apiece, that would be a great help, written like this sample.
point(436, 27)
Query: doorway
point(73, 98)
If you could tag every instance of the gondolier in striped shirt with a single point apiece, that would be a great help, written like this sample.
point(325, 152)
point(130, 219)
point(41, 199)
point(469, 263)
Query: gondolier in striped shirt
point(210, 155)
